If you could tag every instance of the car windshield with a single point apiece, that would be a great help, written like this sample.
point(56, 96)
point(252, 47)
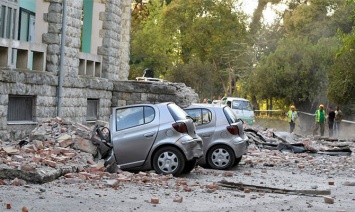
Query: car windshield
point(241, 105)
point(177, 112)
point(230, 115)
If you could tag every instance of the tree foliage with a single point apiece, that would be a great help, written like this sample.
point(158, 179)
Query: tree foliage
point(342, 74)
point(209, 46)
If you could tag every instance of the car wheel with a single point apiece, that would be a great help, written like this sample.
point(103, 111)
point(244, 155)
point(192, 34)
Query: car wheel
point(220, 157)
point(189, 166)
point(169, 160)
point(237, 161)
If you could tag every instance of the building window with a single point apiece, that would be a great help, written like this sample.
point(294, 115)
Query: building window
point(8, 18)
point(27, 25)
point(20, 108)
point(92, 109)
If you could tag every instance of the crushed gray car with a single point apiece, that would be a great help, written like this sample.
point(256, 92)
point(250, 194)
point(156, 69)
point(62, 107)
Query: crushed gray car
point(151, 136)
point(224, 141)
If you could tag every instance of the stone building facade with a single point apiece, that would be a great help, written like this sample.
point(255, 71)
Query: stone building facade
point(92, 83)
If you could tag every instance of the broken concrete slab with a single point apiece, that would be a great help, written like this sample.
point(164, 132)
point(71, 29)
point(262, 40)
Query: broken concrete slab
point(40, 175)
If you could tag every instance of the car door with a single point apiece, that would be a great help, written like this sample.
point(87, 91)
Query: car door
point(134, 134)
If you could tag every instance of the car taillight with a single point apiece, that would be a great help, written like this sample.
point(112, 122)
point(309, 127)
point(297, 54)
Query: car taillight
point(180, 127)
point(234, 130)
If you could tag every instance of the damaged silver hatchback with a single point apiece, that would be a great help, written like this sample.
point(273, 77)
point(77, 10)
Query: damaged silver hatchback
point(224, 141)
point(150, 136)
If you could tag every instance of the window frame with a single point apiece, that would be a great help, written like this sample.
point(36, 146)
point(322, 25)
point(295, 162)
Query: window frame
point(94, 117)
point(14, 108)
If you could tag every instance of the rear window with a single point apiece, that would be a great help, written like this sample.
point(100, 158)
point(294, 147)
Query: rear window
point(133, 116)
point(200, 116)
point(176, 112)
point(230, 115)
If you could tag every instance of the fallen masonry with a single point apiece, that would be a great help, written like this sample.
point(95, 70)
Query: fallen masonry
point(268, 178)
point(59, 148)
point(55, 147)
point(290, 142)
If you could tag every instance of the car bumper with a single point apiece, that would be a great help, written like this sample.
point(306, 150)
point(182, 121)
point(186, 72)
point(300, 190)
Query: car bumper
point(240, 146)
point(192, 147)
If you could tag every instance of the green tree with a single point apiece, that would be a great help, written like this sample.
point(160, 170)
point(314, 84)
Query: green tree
point(206, 29)
point(149, 46)
point(196, 74)
point(296, 71)
point(342, 74)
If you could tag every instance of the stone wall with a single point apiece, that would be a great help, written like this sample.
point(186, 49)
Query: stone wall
point(52, 37)
point(110, 49)
point(134, 92)
point(43, 86)
point(125, 39)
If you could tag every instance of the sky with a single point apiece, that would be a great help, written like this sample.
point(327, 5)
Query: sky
point(269, 14)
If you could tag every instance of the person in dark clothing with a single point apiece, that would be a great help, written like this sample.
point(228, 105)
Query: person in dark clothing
point(331, 116)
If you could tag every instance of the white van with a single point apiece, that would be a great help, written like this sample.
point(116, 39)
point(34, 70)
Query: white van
point(242, 107)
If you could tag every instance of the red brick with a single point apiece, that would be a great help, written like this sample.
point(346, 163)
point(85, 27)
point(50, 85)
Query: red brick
point(13, 163)
point(187, 189)
point(212, 187)
point(300, 166)
point(48, 143)
point(50, 163)
point(56, 150)
point(181, 182)
point(330, 183)
point(70, 154)
point(247, 191)
point(123, 179)
point(8, 206)
point(37, 159)
point(228, 174)
point(154, 200)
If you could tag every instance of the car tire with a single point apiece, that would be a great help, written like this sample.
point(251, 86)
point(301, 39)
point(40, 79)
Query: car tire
point(189, 166)
point(169, 160)
point(237, 161)
point(220, 157)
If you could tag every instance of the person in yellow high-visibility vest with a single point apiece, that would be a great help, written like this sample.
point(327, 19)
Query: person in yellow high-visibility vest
point(320, 118)
point(292, 115)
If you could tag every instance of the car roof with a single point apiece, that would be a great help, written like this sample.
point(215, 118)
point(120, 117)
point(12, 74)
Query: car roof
point(199, 105)
point(146, 104)
point(236, 98)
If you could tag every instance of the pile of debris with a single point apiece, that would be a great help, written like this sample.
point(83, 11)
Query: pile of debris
point(291, 142)
point(54, 148)
point(59, 148)
point(269, 148)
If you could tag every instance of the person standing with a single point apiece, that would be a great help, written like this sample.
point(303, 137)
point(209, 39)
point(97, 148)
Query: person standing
point(331, 116)
point(338, 117)
point(320, 120)
point(292, 115)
